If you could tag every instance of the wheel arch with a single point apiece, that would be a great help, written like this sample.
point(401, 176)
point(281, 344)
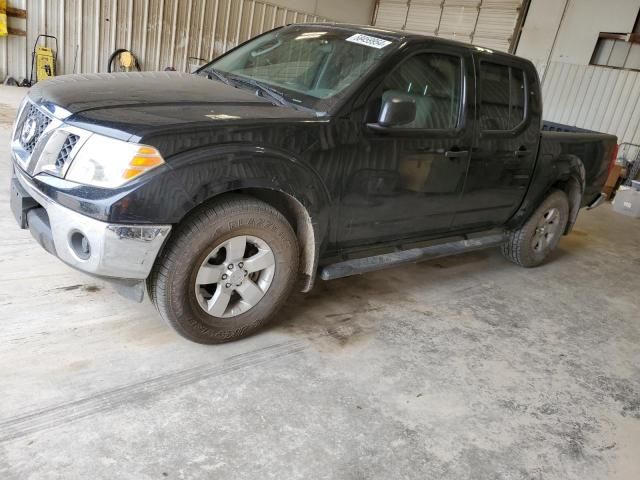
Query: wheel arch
point(563, 172)
point(574, 189)
point(307, 231)
point(571, 181)
point(298, 216)
point(281, 180)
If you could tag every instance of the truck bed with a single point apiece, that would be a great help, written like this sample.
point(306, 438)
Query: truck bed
point(564, 143)
point(560, 127)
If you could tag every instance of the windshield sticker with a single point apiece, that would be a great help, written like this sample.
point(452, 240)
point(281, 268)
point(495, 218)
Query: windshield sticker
point(368, 40)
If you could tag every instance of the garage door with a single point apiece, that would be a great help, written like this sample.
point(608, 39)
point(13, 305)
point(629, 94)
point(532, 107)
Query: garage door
point(486, 23)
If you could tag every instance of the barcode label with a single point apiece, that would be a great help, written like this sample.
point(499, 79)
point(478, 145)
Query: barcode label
point(368, 41)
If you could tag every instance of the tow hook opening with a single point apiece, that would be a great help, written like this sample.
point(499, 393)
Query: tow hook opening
point(80, 245)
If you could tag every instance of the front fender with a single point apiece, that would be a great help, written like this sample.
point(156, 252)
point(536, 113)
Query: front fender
point(207, 172)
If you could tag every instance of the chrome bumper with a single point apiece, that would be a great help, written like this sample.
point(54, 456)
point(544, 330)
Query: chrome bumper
point(119, 251)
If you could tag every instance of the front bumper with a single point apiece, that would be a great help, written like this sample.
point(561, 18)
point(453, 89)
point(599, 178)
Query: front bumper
point(109, 250)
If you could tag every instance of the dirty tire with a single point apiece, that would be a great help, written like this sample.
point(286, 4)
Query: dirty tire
point(521, 245)
point(172, 283)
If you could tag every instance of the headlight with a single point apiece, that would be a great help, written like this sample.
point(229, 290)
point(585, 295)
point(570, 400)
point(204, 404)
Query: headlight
point(109, 163)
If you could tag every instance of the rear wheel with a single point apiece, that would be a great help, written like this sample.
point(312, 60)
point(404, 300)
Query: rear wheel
point(529, 245)
point(226, 270)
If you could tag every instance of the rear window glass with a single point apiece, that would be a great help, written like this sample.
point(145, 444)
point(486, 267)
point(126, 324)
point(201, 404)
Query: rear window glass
point(502, 96)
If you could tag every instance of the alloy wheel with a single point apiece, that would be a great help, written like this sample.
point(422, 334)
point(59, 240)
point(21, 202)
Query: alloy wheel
point(235, 276)
point(546, 230)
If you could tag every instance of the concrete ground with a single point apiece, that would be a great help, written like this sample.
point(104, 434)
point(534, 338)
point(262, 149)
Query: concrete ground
point(465, 368)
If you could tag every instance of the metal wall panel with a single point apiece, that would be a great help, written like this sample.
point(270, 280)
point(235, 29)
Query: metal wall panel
point(161, 33)
point(486, 23)
point(595, 98)
point(392, 14)
point(458, 19)
point(424, 16)
point(497, 23)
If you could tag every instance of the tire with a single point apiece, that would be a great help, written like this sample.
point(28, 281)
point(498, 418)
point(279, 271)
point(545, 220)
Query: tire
point(200, 251)
point(530, 245)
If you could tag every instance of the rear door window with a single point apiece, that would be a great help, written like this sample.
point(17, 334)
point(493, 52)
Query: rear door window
point(502, 96)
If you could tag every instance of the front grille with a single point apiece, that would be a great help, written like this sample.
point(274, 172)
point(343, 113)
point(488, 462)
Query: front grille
point(65, 151)
point(32, 114)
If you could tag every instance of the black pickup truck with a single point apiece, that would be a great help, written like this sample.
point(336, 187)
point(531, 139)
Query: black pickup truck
point(310, 150)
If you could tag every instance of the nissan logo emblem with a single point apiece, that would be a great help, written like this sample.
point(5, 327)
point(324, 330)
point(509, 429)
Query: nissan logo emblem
point(28, 131)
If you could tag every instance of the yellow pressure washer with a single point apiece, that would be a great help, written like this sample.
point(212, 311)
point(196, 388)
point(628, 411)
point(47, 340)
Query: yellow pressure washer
point(43, 60)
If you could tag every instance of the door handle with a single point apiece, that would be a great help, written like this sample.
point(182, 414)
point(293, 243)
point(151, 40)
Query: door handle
point(521, 153)
point(456, 153)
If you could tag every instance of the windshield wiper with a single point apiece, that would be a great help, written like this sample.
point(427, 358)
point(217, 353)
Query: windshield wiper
point(214, 73)
point(265, 90)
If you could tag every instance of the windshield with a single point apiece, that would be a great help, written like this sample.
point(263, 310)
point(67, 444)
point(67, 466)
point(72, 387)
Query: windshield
point(308, 66)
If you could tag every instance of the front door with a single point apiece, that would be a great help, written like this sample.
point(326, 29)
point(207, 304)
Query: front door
point(509, 131)
point(406, 182)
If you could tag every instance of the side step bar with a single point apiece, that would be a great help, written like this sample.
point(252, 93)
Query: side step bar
point(379, 262)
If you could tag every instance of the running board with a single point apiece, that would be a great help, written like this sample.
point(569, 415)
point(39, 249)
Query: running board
point(379, 262)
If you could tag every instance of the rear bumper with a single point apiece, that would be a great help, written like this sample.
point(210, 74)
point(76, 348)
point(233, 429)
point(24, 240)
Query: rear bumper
point(95, 247)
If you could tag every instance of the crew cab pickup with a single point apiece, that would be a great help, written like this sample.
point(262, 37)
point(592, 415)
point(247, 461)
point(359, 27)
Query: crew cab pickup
point(320, 149)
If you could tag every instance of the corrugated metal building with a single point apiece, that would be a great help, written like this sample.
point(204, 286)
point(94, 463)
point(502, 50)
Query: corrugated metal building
point(161, 33)
point(486, 23)
point(596, 98)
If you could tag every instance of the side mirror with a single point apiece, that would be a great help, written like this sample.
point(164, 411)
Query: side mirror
point(397, 109)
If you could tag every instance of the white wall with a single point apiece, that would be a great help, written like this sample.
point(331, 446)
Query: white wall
point(577, 36)
point(584, 20)
point(574, 92)
point(539, 31)
point(348, 11)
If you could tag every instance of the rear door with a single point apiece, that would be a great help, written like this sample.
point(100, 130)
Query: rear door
point(508, 136)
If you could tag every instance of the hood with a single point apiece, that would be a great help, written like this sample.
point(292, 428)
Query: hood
point(136, 104)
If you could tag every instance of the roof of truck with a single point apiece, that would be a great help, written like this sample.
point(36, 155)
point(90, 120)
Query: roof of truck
point(390, 33)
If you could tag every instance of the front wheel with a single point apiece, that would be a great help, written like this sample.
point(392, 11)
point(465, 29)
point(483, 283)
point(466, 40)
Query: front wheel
point(530, 245)
point(226, 270)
